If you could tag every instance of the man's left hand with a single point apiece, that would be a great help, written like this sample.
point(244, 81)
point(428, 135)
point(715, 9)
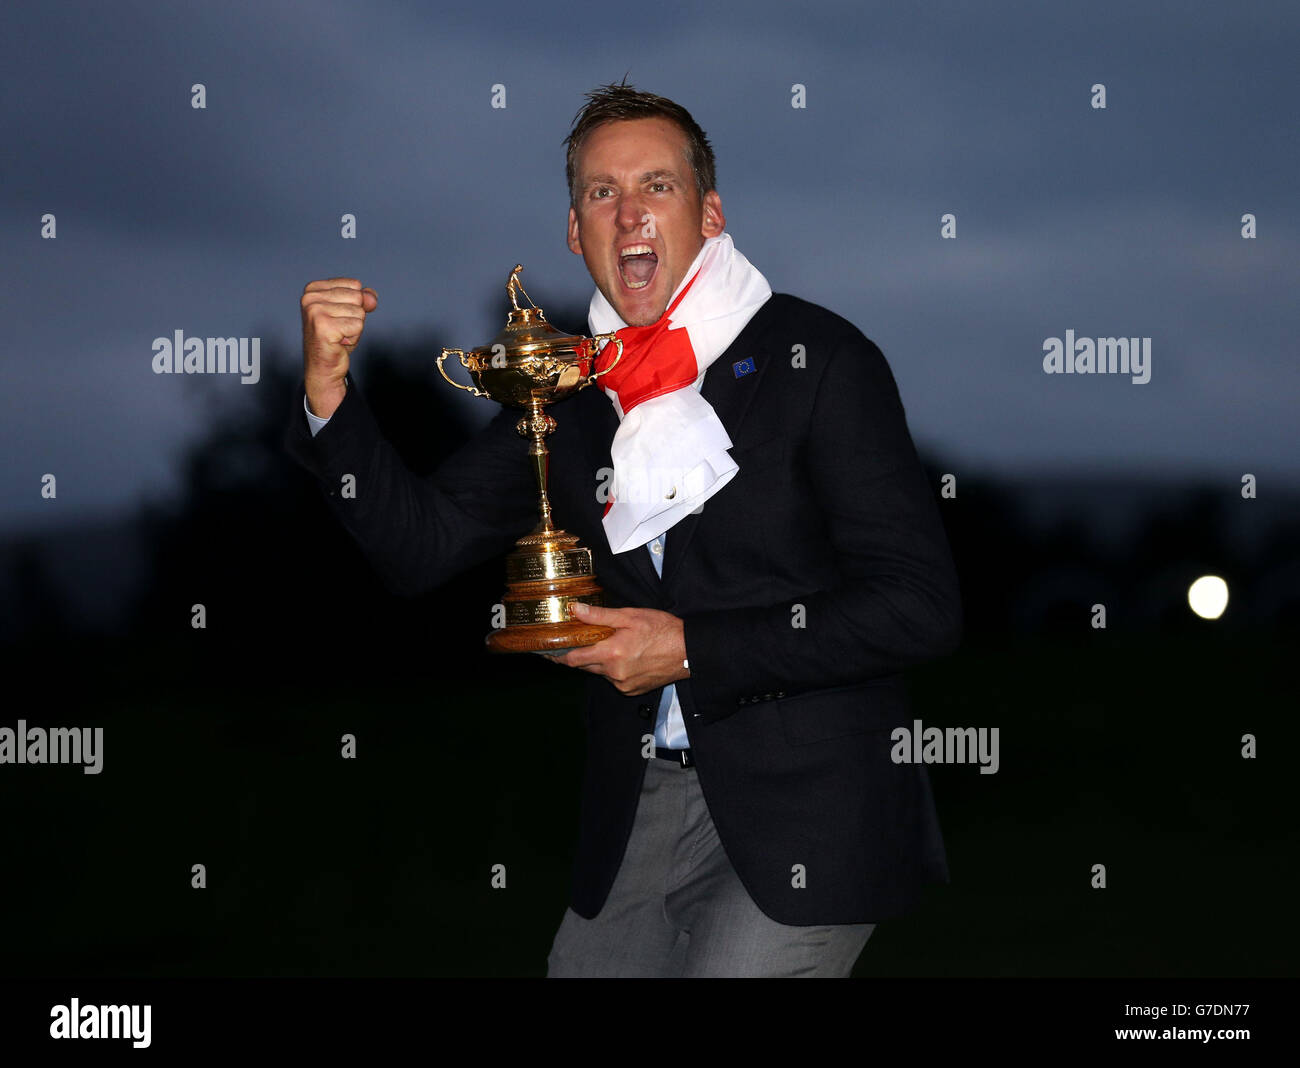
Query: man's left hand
point(646, 650)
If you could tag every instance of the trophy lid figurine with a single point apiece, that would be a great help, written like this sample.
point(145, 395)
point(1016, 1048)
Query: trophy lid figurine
point(529, 365)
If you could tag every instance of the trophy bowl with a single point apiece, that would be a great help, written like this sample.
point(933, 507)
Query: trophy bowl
point(529, 365)
point(530, 361)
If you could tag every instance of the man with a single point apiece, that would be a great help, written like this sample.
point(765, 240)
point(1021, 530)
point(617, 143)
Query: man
point(741, 814)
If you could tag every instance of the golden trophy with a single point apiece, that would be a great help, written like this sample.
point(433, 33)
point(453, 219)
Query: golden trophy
point(529, 365)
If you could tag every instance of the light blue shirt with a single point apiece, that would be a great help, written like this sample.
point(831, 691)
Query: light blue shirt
point(670, 727)
point(313, 420)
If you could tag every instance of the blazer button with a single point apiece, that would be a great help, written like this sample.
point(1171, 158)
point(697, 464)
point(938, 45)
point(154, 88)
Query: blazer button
point(643, 711)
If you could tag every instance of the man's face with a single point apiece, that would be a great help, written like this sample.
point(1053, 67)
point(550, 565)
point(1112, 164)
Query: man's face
point(640, 221)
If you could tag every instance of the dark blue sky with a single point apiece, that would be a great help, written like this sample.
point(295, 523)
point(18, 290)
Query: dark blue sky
point(1122, 222)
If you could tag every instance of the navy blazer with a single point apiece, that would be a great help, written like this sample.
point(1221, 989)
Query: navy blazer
point(806, 585)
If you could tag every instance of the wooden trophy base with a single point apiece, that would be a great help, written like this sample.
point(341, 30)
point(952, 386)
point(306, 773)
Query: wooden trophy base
point(545, 573)
point(546, 637)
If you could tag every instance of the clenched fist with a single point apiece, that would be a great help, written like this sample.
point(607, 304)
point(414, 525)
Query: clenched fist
point(333, 316)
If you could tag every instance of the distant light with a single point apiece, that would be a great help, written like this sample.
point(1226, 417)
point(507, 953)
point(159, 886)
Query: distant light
point(1208, 596)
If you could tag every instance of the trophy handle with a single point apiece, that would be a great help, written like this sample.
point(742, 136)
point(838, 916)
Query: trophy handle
point(619, 342)
point(461, 353)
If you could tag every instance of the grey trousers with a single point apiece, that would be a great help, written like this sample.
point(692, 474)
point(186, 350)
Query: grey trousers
point(677, 907)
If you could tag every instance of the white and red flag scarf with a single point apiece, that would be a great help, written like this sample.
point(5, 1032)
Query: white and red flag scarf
point(670, 449)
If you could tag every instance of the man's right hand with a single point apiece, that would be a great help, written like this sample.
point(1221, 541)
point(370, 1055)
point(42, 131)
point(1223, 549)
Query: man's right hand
point(333, 316)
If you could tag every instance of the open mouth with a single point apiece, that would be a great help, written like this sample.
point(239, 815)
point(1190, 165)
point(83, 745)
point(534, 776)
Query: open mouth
point(637, 265)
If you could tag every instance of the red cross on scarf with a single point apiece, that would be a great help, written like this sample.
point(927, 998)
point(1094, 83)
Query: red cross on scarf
point(655, 360)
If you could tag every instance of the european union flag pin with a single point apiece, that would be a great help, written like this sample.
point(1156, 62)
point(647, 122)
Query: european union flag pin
point(743, 367)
